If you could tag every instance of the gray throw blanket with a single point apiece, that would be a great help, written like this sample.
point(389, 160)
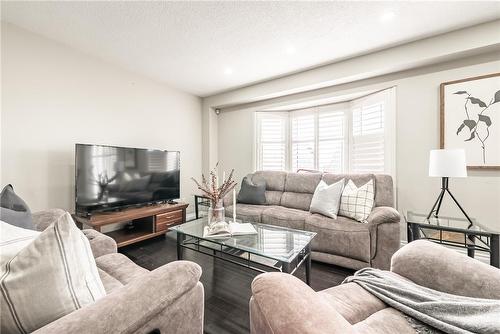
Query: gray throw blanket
point(449, 313)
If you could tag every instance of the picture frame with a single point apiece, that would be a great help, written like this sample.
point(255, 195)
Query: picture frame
point(470, 119)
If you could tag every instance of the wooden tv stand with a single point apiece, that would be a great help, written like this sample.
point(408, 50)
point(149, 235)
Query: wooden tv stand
point(149, 221)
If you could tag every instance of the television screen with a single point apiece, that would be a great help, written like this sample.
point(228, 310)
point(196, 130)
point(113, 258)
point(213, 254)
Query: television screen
point(109, 177)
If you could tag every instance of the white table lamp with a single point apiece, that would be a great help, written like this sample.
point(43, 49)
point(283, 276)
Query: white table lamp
point(446, 164)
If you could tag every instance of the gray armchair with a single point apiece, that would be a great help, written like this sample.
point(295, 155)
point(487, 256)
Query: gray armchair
point(281, 303)
point(168, 299)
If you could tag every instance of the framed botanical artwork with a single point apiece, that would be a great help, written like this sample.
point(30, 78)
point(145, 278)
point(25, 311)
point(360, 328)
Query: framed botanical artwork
point(470, 119)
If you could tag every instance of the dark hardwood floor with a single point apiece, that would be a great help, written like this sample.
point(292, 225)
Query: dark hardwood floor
point(227, 286)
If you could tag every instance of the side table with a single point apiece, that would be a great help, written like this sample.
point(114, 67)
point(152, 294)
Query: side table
point(455, 232)
point(200, 200)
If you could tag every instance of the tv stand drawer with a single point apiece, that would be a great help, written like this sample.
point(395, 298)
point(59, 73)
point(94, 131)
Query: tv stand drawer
point(164, 220)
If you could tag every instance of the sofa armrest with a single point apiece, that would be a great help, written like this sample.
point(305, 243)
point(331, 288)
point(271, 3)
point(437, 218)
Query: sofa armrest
point(100, 244)
point(42, 219)
point(383, 215)
point(384, 227)
point(281, 303)
point(439, 268)
point(143, 303)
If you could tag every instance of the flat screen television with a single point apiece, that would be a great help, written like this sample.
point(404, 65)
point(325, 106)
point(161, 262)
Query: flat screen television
point(110, 177)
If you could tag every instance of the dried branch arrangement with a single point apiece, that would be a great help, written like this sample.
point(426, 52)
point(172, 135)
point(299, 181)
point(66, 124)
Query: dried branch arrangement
point(211, 188)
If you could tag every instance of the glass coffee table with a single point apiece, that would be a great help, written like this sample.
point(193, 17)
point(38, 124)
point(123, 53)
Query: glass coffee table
point(273, 248)
point(455, 232)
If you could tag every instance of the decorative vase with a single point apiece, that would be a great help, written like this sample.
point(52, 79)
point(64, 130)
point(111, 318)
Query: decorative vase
point(216, 214)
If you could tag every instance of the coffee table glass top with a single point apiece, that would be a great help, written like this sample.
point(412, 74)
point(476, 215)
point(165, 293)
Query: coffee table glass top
point(274, 242)
point(450, 223)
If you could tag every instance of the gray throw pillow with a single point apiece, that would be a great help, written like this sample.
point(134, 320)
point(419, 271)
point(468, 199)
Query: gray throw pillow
point(13, 210)
point(252, 191)
point(326, 199)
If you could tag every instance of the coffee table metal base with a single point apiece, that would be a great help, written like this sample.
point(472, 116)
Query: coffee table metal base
point(242, 258)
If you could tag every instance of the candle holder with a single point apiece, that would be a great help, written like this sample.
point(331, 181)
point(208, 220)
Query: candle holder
point(234, 206)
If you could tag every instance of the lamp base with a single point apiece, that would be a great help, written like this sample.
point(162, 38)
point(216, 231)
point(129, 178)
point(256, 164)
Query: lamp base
point(437, 205)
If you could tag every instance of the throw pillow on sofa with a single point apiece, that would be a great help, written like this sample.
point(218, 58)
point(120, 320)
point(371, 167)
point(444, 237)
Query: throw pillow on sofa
point(13, 210)
point(47, 277)
point(357, 203)
point(326, 199)
point(252, 191)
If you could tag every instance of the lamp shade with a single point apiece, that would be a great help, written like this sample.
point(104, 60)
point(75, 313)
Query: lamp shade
point(447, 163)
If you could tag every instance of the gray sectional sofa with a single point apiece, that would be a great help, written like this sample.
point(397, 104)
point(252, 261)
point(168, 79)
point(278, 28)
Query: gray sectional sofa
point(342, 241)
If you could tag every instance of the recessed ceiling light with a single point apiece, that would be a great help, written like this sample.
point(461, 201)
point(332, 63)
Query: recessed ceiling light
point(290, 50)
point(228, 71)
point(387, 16)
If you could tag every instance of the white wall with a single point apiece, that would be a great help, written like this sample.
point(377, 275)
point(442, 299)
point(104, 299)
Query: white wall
point(54, 96)
point(417, 132)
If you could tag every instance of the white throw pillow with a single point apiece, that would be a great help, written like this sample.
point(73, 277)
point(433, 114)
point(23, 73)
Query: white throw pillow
point(52, 275)
point(326, 198)
point(357, 203)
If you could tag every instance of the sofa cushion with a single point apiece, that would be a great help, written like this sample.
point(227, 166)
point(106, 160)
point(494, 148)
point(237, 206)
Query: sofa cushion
point(252, 191)
point(353, 302)
point(299, 190)
point(247, 212)
point(302, 183)
point(275, 180)
point(275, 185)
point(301, 201)
point(120, 267)
point(342, 236)
point(273, 197)
point(357, 202)
point(286, 217)
point(326, 199)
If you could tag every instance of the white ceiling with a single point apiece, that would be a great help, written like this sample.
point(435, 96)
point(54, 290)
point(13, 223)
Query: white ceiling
point(208, 47)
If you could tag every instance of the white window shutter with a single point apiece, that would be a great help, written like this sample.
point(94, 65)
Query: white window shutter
point(303, 141)
point(368, 139)
point(331, 142)
point(271, 141)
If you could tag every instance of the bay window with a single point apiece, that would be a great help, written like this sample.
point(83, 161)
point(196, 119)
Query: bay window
point(350, 137)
